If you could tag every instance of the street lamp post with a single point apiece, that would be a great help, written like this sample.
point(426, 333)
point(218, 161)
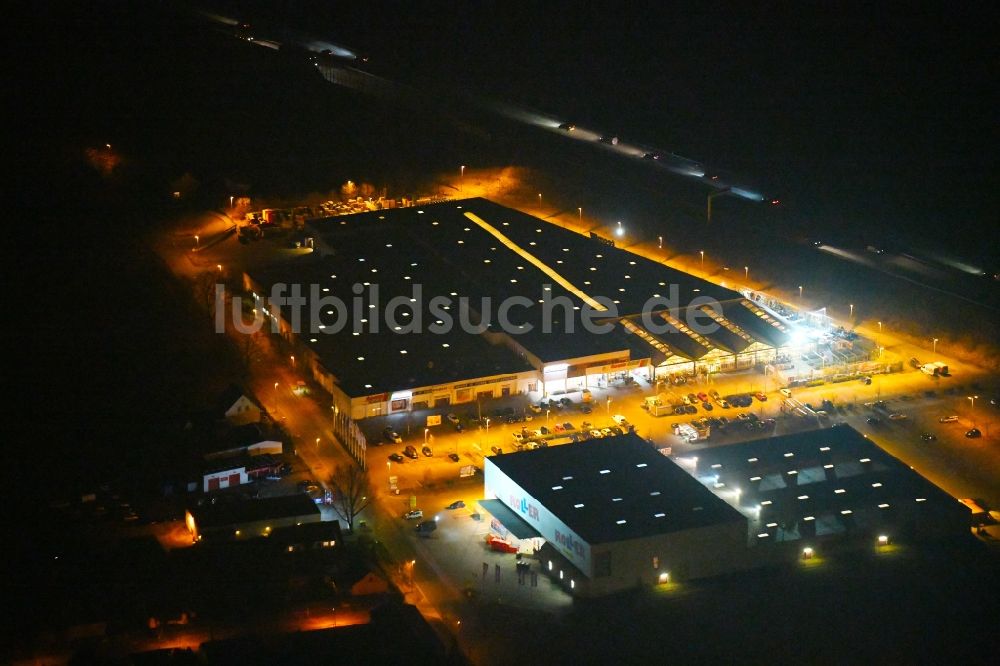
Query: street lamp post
point(851, 305)
point(463, 172)
point(661, 241)
point(702, 253)
point(426, 432)
point(935, 345)
point(800, 292)
point(275, 397)
point(580, 211)
point(972, 401)
point(746, 273)
point(197, 240)
point(609, 405)
point(879, 332)
point(539, 199)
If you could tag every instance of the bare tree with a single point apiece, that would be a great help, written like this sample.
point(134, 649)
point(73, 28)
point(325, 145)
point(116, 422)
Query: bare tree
point(351, 490)
point(204, 285)
point(248, 346)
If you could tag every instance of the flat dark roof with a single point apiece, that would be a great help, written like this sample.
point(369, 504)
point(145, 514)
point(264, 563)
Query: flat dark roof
point(591, 486)
point(820, 474)
point(222, 514)
point(449, 255)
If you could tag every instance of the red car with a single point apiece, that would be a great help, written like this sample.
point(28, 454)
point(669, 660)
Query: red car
point(703, 397)
point(760, 396)
point(500, 545)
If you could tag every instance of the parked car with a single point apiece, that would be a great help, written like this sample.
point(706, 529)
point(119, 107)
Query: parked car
point(457, 504)
point(453, 418)
point(702, 396)
point(873, 420)
point(426, 450)
point(723, 403)
point(690, 409)
point(897, 416)
point(410, 452)
point(392, 436)
point(596, 434)
point(566, 402)
point(500, 545)
point(413, 515)
point(785, 392)
point(308, 486)
point(496, 450)
point(948, 419)
point(760, 395)
point(426, 527)
point(707, 406)
point(927, 437)
point(568, 127)
point(395, 457)
point(692, 399)
point(620, 420)
point(974, 433)
point(453, 457)
point(586, 409)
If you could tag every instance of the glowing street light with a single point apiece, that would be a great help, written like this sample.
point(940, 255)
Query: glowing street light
point(620, 231)
point(580, 211)
point(463, 171)
point(800, 292)
point(661, 241)
point(426, 432)
point(293, 359)
point(317, 442)
point(972, 401)
point(702, 253)
point(539, 199)
point(935, 345)
point(851, 305)
point(609, 404)
point(230, 201)
point(746, 272)
point(197, 240)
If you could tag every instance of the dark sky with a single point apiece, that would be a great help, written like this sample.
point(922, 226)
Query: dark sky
point(862, 114)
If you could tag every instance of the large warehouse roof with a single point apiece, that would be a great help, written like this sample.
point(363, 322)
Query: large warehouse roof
point(614, 489)
point(485, 253)
point(835, 478)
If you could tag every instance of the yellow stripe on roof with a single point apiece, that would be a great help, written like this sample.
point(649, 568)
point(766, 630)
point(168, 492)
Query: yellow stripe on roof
point(536, 262)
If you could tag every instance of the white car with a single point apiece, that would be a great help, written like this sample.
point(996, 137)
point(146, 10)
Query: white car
point(620, 420)
point(596, 434)
point(413, 515)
